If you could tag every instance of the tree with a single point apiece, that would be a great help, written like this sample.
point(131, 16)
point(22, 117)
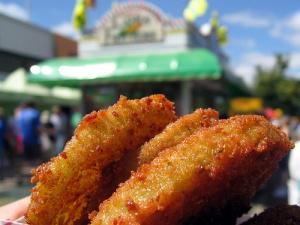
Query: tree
point(277, 89)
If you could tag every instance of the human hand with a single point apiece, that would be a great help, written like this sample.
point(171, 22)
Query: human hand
point(14, 210)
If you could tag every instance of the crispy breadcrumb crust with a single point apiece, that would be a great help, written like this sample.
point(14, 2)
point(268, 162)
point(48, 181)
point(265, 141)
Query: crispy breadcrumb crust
point(69, 181)
point(211, 167)
point(176, 132)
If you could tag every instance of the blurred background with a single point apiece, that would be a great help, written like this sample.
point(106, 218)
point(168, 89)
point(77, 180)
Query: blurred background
point(62, 59)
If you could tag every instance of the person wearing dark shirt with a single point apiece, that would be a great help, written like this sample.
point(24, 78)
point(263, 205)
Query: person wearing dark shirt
point(2, 129)
point(2, 141)
point(28, 125)
point(60, 124)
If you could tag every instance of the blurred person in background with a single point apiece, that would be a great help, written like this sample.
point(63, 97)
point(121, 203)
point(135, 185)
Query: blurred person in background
point(75, 118)
point(2, 142)
point(28, 123)
point(285, 125)
point(16, 130)
point(47, 136)
point(60, 124)
point(294, 181)
point(295, 128)
point(12, 145)
point(276, 190)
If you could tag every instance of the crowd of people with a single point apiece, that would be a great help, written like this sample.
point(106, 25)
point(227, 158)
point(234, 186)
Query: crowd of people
point(288, 174)
point(34, 136)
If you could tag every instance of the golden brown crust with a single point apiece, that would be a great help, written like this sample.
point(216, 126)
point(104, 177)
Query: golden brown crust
point(68, 182)
point(211, 167)
point(176, 132)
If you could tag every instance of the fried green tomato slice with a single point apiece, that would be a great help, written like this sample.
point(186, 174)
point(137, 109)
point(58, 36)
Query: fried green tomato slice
point(67, 184)
point(226, 162)
point(176, 132)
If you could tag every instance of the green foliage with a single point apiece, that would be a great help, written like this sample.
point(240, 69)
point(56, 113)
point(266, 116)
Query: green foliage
point(276, 89)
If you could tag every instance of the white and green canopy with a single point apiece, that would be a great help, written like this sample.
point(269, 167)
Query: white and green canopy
point(190, 64)
point(15, 88)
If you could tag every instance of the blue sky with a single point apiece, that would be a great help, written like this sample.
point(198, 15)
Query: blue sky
point(257, 28)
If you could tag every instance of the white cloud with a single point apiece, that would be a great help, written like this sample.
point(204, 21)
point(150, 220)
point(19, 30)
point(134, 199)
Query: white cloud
point(66, 29)
point(284, 28)
point(294, 66)
point(295, 61)
point(246, 72)
point(294, 39)
point(294, 73)
point(288, 29)
point(14, 10)
point(245, 69)
point(260, 59)
point(246, 19)
point(293, 21)
point(244, 43)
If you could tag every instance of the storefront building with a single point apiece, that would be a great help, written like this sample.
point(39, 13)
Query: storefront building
point(136, 50)
point(23, 44)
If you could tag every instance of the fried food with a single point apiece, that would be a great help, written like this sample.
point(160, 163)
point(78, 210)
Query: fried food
point(66, 185)
point(226, 162)
point(279, 215)
point(176, 132)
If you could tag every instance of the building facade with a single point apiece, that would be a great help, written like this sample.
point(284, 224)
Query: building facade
point(142, 28)
point(23, 45)
point(136, 50)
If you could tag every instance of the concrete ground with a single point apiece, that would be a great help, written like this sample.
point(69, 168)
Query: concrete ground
point(11, 190)
point(15, 182)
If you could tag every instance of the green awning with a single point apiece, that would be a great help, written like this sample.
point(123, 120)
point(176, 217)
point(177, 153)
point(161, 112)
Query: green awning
point(15, 88)
point(191, 64)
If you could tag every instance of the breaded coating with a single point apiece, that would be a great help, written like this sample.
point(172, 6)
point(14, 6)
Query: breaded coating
point(66, 185)
point(176, 132)
point(279, 215)
point(226, 162)
point(173, 134)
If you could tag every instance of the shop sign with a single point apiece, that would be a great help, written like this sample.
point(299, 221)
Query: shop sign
point(131, 24)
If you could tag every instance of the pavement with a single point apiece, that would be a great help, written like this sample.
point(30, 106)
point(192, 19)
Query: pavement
point(16, 182)
point(11, 190)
